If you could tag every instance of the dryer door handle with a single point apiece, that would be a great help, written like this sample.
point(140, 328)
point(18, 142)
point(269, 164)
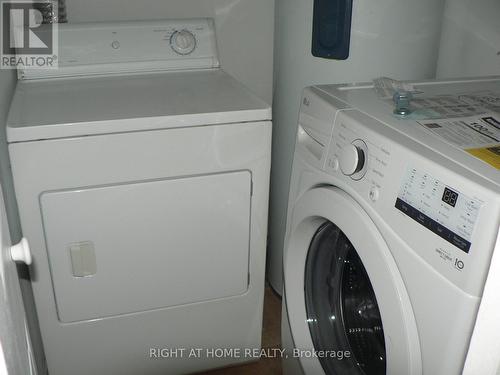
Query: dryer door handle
point(21, 253)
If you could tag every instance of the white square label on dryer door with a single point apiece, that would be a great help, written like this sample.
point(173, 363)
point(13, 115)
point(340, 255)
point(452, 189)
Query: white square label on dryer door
point(83, 259)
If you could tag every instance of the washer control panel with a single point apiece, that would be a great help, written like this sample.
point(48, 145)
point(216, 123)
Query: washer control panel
point(434, 208)
point(440, 208)
point(355, 154)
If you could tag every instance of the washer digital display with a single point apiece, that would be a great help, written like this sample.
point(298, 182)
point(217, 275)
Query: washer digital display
point(450, 197)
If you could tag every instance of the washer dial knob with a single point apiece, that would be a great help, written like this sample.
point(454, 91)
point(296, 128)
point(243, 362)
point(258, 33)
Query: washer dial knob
point(183, 42)
point(352, 159)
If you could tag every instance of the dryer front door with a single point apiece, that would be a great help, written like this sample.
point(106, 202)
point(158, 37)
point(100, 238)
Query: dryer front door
point(348, 309)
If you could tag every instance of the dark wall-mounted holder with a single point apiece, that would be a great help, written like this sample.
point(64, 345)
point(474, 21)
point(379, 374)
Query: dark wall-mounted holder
point(331, 34)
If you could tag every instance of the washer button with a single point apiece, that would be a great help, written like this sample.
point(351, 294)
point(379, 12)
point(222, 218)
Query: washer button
point(333, 164)
point(115, 44)
point(374, 193)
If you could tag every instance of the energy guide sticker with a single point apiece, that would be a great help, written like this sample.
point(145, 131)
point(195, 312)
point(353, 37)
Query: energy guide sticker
point(490, 155)
point(478, 135)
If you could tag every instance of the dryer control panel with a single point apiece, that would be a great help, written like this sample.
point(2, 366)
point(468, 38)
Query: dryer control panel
point(131, 47)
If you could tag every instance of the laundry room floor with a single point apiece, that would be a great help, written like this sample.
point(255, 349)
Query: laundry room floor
point(271, 338)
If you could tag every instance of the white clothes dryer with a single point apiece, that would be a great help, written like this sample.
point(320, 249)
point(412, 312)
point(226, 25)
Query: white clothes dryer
point(391, 229)
point(141, 171)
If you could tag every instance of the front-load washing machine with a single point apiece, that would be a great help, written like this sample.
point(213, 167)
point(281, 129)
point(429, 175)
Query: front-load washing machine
point(141, 172)
point(393, 221)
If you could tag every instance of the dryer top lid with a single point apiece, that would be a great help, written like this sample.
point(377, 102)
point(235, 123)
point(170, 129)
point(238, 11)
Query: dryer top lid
point(71, 107)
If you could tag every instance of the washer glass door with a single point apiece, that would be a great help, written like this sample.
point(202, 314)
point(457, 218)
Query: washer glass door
point(347, 306)
point(342, 310)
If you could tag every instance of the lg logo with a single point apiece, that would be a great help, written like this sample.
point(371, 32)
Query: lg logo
point(459, 264)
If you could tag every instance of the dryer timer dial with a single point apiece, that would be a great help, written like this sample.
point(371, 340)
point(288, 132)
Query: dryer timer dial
point(183, 42)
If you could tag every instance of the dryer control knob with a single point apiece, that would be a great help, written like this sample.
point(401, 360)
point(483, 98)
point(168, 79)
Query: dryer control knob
point(183, 42)
point(351, 160)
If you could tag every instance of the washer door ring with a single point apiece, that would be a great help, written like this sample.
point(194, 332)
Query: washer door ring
point(313, 209)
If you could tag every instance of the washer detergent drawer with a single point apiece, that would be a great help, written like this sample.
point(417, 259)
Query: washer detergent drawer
point(134, 247)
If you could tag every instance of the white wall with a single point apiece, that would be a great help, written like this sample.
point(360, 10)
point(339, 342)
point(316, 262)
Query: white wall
point(244, 28)
point(470, 39)
point(395, 38)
